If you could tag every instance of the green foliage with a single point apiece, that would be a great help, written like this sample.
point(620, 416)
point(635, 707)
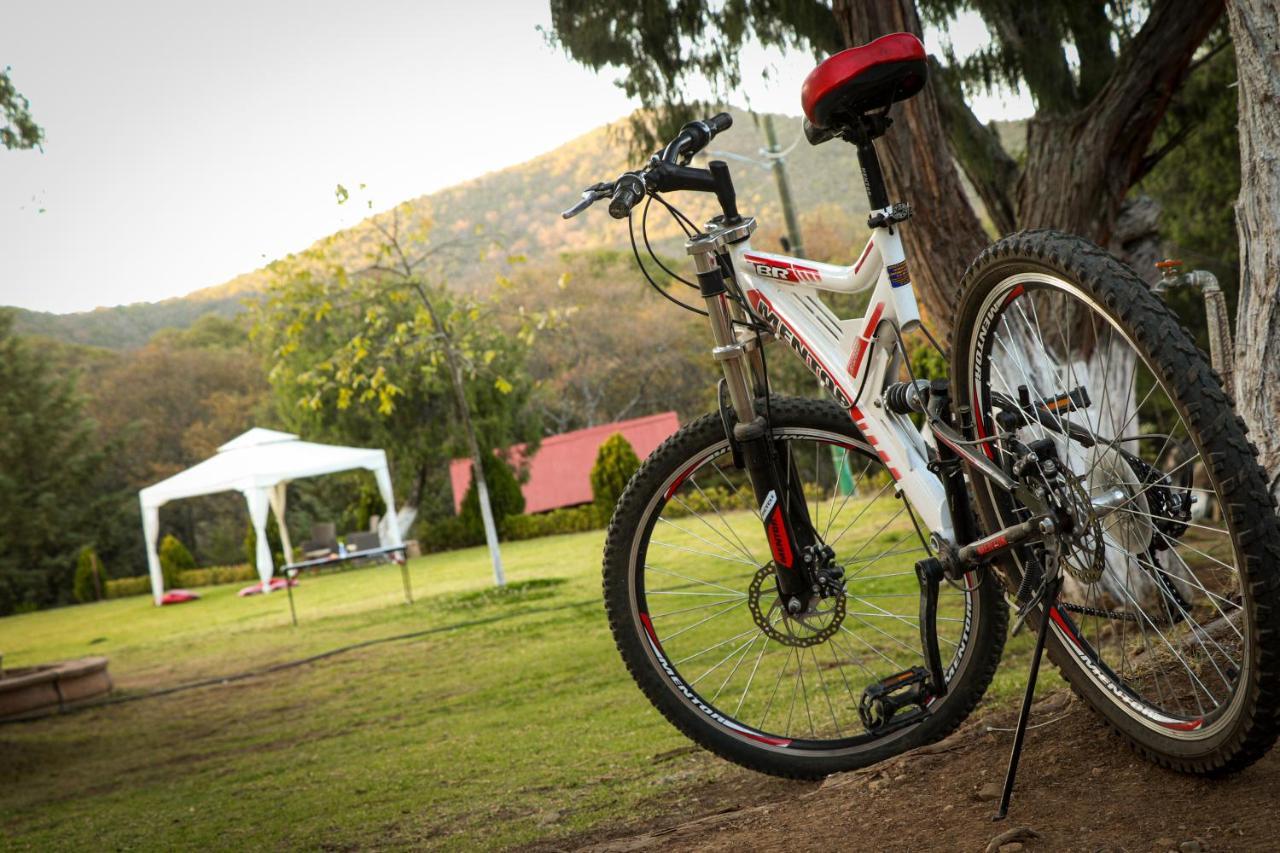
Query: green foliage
point(87, 585)
point(215, 575)
point(616, 462)
point(1198, 182)
point(575, 519)
point(365, 353)
point(273, 542)
point(174, 559)
point(50, 470)
point(125, 587)
point(448, 533)
point(212, 576)
point(505, 497)
point(927, 362)
point(19, 129)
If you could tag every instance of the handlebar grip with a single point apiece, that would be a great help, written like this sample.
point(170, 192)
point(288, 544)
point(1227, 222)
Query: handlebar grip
point(630, 190)
point(720, 123)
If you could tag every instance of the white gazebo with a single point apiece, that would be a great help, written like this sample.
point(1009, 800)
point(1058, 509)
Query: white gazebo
point(259, 464)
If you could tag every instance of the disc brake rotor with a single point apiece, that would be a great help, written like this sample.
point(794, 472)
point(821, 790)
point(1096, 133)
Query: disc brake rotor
point(808, 628)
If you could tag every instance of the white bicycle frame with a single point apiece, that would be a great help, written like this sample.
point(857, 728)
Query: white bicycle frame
point(853, 359)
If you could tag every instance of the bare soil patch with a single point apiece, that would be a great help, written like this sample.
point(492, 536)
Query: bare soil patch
point(1080, 789)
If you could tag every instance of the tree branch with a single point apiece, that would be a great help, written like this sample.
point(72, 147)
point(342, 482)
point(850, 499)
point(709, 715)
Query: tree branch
point(1150, 70)
point(1091, 31)
point(990, 169)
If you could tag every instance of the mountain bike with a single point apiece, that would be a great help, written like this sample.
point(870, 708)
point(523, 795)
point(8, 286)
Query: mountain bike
point(805, 586)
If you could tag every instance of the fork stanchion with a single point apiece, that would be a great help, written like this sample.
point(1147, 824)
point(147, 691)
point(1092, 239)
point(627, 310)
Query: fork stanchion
point(1020, 733)
point(289, 575)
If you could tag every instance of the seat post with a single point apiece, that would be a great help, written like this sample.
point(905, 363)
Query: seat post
point(871, 174)
point(862, 134)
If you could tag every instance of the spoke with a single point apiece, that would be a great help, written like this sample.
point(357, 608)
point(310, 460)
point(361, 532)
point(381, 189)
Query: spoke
point(693, 480)
point(718, 645)
point(853, 490)
point(898, 667)
point(752, 677)
point(876, 535)
point(808, 712)
point(769, 706)
point(727, 555)
point(835, 657)
point(737, 651)
point(861, 513)
point(649, 567)
point(728, 609)
point(885, 614)
point(656, 616)
point(885, 553)
point(881, 616)
point(703, 553)
point(1152, 625)
point(1122, 508)
point(732, 545)
point(649, 592)
point(746, 652)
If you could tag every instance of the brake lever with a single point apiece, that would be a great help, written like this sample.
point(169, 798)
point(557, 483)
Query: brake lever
point(590, 196)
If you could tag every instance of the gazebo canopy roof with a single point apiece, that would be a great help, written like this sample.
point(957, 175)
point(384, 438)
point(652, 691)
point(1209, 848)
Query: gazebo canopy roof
point(260, 458)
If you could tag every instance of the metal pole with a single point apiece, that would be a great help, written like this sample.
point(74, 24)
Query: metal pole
point(784, 188)
point(289, 575)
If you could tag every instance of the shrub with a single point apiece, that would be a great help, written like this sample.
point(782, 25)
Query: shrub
point(124, 587)
point(87, 585)
point(505, 497)
point(174, 559)
point(217, 575)
point(568, 520)
point(616, 462)
point(448, 534)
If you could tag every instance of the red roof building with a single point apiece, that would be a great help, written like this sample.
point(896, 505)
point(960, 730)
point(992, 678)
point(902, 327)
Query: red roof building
point(560, 472)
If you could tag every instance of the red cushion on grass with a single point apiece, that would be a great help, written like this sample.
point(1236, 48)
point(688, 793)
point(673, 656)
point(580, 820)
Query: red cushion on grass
point(276, 584)
point(178, 596)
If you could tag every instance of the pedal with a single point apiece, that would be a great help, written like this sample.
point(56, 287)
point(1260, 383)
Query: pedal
point(882, 701)
point(930, 573)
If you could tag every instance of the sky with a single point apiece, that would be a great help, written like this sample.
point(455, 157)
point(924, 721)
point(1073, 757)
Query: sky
point(189, 143)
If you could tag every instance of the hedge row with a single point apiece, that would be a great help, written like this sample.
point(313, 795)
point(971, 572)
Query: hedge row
point(141, 585)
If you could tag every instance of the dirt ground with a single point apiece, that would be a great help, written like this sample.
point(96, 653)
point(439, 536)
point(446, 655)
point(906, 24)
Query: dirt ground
point(1079, 789)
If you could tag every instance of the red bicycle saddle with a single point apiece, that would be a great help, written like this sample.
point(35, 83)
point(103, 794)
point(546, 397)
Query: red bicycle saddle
point(864, 78)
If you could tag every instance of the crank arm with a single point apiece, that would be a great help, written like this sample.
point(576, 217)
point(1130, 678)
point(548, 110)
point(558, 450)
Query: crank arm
point(930, 573)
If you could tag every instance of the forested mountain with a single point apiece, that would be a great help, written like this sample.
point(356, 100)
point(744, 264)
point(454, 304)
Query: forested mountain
point(517, 211)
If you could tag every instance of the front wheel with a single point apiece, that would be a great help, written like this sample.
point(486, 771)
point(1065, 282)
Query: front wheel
point(1166, 623)
point(691, 600)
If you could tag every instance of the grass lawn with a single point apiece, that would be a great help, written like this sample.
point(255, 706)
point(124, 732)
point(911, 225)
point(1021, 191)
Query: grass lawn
point(503, 731)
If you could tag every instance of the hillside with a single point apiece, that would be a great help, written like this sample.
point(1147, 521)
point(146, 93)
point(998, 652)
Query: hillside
point(519, 207)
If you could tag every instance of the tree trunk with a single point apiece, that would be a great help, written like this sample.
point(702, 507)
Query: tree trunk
point(945, 235)
point(477, 463)
point(1255, 29)
point(1081, 163)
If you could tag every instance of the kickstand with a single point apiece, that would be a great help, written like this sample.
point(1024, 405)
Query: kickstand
point(1049, 597)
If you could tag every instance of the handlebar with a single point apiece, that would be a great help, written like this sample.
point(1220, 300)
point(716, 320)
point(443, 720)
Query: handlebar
point(667, 170)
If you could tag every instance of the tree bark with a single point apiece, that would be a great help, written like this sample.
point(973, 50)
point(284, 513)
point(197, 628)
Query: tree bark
point(1255, 29)
point(1080, 164)
point(945, 235)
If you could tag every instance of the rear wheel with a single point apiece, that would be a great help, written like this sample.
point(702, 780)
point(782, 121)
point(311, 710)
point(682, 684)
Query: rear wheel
point(1166, 621)
point(690, 595)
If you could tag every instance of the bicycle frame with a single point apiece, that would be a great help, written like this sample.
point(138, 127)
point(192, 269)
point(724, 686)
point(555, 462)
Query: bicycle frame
point(853, 359)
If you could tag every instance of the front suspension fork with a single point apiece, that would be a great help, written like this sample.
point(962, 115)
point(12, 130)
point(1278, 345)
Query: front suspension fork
point(780, 497)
